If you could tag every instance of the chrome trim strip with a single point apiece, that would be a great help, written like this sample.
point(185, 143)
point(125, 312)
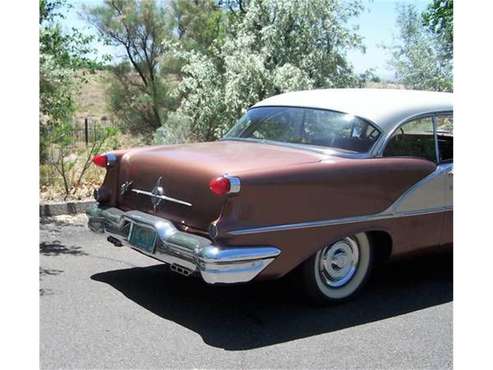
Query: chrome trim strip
point(149, 194)
point(435, 138)
point(234, 184)
point(214, 254)
point(111, 159)
point(347, 220)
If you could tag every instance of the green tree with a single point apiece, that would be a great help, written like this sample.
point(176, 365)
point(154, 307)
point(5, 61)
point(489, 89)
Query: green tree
point(64, 59)
point(416, 55)
point(269, 47)
point(199, 24)
point(140, 91)
point(439, 20)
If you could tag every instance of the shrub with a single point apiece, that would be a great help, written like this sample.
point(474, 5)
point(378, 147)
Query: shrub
point(178, 129)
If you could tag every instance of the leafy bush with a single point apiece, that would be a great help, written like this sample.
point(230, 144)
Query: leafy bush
point(272, 47)
point(178, 130)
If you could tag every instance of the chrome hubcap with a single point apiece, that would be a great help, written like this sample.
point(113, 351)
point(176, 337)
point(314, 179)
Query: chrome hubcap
point(338, 262)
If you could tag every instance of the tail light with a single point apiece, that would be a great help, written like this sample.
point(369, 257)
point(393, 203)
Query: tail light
point(225, 185)
point(104, 160)
point(220, 186)
point(100, 160)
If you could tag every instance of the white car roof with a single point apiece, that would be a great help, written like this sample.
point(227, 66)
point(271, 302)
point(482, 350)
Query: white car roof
point(384, 107)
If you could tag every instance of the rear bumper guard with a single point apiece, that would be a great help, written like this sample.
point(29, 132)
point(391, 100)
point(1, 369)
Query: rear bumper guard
point(184, 252)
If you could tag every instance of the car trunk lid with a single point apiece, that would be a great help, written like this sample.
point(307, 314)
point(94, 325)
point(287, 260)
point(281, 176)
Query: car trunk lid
point(182, 173)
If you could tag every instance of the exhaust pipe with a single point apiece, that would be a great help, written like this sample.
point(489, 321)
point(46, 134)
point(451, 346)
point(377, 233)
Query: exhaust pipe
point(180, 270)
point(116, 242)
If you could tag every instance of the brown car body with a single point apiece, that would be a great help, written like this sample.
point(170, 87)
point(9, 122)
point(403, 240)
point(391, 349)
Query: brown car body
point(279, 185)
point(295, 199)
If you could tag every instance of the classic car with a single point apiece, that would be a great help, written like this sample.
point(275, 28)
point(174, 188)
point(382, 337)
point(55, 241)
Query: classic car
point(322, 183)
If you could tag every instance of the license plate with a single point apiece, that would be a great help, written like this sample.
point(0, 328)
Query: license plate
point(143, 238)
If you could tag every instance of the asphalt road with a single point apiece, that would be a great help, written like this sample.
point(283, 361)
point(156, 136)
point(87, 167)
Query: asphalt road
point(108, 307)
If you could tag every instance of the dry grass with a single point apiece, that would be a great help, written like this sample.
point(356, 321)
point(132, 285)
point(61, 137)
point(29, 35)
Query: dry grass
point(51, 187)
point(92, 100)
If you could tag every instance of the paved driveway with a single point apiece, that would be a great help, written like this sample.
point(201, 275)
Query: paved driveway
point(108, 307)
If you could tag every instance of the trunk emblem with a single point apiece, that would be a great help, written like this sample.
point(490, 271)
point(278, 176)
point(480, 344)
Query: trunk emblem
point(157, 195)
point(125, 186)
point(158, 192)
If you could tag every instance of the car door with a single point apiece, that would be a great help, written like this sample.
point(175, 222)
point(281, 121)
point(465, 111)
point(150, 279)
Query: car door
point(418, 138)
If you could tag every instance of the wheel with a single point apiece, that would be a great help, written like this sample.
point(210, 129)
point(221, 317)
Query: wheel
point(338, 271)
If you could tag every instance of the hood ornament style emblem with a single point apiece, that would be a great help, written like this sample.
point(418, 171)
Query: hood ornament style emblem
point(157, 195)
point(125, 187)
point(158, 192)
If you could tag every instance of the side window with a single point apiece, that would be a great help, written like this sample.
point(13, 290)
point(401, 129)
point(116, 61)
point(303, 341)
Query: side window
point(445, 137)
point(413, 139)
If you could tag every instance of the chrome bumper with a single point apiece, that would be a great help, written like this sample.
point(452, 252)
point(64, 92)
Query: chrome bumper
point(186, 253)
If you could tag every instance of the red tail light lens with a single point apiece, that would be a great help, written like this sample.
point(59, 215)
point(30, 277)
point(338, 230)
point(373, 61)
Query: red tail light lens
point(100, 160)
point(220, 185)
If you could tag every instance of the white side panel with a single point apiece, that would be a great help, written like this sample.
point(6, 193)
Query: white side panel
point(428, 195)
point(449, 187)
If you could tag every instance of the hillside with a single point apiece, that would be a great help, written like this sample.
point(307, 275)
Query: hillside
point(92, 101)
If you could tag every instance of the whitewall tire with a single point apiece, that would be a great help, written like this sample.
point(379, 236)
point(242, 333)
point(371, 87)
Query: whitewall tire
point(339, 270)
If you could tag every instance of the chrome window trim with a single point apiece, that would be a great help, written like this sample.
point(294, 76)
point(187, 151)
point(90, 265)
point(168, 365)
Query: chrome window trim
point(451, 114)
point(380, 145)
point(435, 138)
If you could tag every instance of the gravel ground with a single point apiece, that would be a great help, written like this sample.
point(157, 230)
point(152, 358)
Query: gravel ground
point(108, 307)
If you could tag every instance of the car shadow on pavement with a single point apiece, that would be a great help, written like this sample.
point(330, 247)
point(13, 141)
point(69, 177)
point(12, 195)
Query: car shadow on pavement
point(256, 315)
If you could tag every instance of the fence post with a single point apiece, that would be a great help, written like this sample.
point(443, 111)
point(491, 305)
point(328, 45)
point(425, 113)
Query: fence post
point(86, 131)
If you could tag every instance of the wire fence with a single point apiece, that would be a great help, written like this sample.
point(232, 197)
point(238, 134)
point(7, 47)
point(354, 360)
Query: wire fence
point(78, 135)
point(88, 131)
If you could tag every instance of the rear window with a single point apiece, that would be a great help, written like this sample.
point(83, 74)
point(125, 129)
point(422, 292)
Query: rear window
point(308, 126)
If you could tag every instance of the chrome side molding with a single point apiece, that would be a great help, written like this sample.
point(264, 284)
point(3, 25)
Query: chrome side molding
point(427, 196)
point(332, 222)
